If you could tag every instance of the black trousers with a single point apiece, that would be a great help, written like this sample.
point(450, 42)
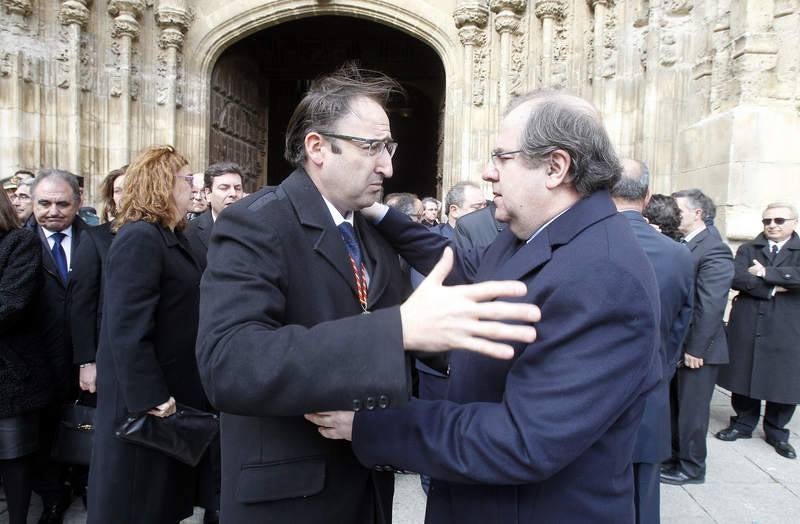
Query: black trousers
point(50, 479)
point(646, 492)
point(690, 403)
point(776, 416)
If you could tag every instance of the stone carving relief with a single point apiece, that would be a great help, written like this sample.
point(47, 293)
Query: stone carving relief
point(519, 54)
point(679, 7)
point(62, 58)
point(6, 63)
point(471, 22)
point(558, 78)
point(74, 12)
point(18, 7)
point(552, 8)
point(610, 51)
point(86, 56)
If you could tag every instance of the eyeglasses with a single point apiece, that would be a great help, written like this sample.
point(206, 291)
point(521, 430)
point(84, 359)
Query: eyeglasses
point(779, 221)
point(501, 156)
point(373, 145)
point(188, 178)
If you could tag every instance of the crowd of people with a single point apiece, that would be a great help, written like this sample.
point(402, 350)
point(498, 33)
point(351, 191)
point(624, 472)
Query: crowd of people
point(548, 354)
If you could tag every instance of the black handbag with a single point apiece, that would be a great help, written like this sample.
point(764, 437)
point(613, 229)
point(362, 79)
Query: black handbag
point(74, 434)
point(185, 435)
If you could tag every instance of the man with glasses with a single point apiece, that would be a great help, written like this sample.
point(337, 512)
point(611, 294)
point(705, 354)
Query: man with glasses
point(548, 436)
point(763, 332)
point(300, 313)
point(23, 203)
point(705, 348)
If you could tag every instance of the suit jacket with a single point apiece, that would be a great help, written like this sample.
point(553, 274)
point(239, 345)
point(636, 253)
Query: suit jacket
point(547, 436)
point(53, 312)
point(146, 355)
point(763, 329)
point(198, 233)
point(713, 276)
point(86, 291)
point(281, 335)
point(477, 230)
point(674, 269)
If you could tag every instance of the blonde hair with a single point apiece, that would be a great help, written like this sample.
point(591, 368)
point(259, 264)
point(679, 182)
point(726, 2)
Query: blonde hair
point(149, 181)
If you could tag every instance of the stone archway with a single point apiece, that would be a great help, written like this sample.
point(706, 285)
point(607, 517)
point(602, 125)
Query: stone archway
point(236, 21)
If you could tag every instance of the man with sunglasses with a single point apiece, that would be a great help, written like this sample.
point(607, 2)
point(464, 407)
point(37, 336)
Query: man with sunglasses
point(300, 313)
point(763, 332)
point(705, 347)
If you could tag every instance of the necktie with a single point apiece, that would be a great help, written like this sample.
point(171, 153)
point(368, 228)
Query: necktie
point(351, 242)
point(59, 255)
point(773, 253)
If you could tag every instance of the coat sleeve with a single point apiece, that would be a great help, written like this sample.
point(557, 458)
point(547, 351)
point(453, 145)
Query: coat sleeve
point(743, 281)
point(20, 277)
point(596, 330)
point(712, 284)
point(253, 363)
point(785, 276)
point(132, 296)
point(423, 248)
point(84, 299)
point(681, 324)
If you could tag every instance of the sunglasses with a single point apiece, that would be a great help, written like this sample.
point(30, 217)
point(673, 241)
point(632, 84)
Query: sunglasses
point(778, 221)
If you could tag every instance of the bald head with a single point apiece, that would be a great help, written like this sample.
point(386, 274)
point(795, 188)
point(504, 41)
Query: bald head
point(632, 187)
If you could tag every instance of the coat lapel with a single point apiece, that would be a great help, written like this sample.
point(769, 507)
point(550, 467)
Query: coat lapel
point(378, 267)
point(204, 224)
point(785, 253)
point(317, 221)
point(172, 239)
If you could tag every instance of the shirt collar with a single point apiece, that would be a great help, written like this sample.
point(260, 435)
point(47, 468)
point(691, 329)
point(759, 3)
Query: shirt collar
point(337, 217)
point(694, 233)
point(66, 232)
point(779, 244)
point(535, 233)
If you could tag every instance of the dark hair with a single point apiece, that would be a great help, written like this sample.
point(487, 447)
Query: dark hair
point(8, 216)
point(696, 199)
point(663, 211)
point(219, 169)
point(329, 99)
point(431, 199)
point(107, 194)
point(62, 175)
point(28, 172)
point(567, 122)
point(455, 197)
point(632, 189)
point(403, 202)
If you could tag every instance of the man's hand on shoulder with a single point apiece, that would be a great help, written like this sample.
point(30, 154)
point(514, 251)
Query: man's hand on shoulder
point(439, 318)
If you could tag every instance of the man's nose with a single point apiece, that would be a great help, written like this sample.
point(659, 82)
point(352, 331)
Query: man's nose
point(490, 173)
point(384, 164)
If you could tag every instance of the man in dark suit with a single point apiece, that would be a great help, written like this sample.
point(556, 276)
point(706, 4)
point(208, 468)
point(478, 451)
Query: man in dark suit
point(674, 269)
point(706, 346)
point(763, 332)
point(56, 201)
point(223, 186)
point(477, 230)
point(547, 436)
point(283, 332)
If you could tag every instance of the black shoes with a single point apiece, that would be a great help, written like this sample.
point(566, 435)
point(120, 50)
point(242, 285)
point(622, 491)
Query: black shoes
point(784, 449)
point(53, 514)
point(211, 517)
point(730, 434)
point(677, 477)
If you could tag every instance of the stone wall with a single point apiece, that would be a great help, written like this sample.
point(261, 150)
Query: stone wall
point(707, 92)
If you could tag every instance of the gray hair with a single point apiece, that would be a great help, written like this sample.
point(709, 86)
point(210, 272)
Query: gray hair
point(567, 122)
point(403, 202)
point(60, 174)
point(783, 205)
point(329, 99)
point(26, 182)
point(219, 169)
point(696, 199)
point(431, 199)
point(455, 197)
point(632, 188)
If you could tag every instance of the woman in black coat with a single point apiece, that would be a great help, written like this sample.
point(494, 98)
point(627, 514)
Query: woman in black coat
point(86, 282)
point(25, 380)
point(146, 361)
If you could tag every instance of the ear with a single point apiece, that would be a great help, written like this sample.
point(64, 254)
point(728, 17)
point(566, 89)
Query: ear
point(558, 169)
point(313, 145)
point(207, 192)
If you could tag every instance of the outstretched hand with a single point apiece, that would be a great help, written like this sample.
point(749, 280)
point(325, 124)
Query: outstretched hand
point(440, 318)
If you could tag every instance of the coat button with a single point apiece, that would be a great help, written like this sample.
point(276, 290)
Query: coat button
point(383, 402)
point(787, 277)
point(356, 405)
point(378, 467)
point(370, 403)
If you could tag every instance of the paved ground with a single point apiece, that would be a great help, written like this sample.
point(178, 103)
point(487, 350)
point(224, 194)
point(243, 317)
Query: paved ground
point(746, 482)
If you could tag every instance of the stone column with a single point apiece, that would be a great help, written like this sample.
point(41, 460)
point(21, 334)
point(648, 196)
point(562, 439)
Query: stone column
point(11, 134)
point(548, 11)
point(125, 30)
point(600, 8)
point(470, 19)
point(174, 20)
point(18, 11)
point(74, 15)
point(506, 23)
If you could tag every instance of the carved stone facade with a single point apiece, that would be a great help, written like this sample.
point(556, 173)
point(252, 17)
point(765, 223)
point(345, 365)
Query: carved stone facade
point(707, 92)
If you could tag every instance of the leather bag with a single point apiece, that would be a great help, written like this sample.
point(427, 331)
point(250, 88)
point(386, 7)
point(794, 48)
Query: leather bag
point(74, 434)
point(184, 435)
